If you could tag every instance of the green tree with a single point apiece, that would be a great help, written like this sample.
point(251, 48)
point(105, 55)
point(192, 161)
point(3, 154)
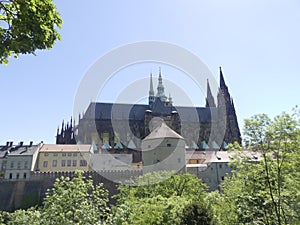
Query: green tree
point(26, 26)
point(75, 201)
point(163, 198)
point(71, 201)
point(265, 191)
point(21, 216)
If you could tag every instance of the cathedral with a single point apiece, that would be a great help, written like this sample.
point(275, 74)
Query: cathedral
point(117, 127)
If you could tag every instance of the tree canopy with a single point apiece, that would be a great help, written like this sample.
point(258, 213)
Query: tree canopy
point(265, 191)
point(71, 201)
point(26, 26)
point(172, 199)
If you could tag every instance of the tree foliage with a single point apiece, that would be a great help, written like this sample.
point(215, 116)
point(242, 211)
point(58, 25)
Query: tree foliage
point(163, 198)
point(265, 191)
point(26, 26)
point(71, 201)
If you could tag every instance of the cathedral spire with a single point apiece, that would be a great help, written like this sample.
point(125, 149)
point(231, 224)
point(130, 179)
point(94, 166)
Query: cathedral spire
point(161, 89)
point(151, 91)
point(222, 81)
point(151, 97)
point(210, 102)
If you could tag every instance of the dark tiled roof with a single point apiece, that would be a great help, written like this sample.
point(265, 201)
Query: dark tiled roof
point(107, 111)
point(115, 111)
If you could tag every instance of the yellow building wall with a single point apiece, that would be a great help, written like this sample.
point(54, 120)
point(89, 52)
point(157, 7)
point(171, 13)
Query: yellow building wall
point(63, 161)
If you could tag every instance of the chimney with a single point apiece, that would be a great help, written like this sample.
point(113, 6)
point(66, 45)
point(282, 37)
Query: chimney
point(21, 143)
point(30, 143)
point(7, 144)
point(10, 144)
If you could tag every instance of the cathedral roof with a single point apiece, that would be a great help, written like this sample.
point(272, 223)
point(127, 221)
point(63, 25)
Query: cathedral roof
point(108, 111)
point(163, 131)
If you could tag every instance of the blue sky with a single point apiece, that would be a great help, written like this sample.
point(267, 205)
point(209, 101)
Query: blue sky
point(255, 42)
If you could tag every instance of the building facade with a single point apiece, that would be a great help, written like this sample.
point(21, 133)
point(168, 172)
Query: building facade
point(121, 127)
point(163, 149)
point(57, 158)
point(17, 161)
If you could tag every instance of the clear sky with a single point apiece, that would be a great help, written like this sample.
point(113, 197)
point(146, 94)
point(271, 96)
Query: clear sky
point(256, 42)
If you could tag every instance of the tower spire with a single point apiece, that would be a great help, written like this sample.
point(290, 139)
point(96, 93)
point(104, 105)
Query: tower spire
point(210, 101)
point(222, 81)
point(151, 91)
point(160, 88)
point(151, 97)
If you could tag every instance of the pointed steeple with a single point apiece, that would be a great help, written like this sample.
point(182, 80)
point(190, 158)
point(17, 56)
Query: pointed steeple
point(210, 101)
point(151, 97)
point(151, 91)
point(170, 99)
point(222, 81)
point(161, 89)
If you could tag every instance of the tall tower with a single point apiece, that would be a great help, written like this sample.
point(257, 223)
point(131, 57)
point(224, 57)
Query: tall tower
point(227, 114)
point(160, 89)
point(151, 97)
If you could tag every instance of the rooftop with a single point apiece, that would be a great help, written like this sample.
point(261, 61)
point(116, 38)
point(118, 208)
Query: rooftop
point(163, 131)
point(65, 148)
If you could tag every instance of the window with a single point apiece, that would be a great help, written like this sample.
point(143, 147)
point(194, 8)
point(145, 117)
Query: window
point(74, 162)
point(19, 165)
point(4, 165)
point(220, 166)
point(55, 154)
point(83, 163)
point(24, 175)
point(69, 163)
point(64, 154)
point(45, 164)
point(10, 176)
point(26, 164)
point(69, 154)
point(12, 164)
point(63, 163)
point(211, 168)
point(179, 160)
point(54, 163)
point(18, 176)
point(75, 154)
point(46, 154)
point(168, 145)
